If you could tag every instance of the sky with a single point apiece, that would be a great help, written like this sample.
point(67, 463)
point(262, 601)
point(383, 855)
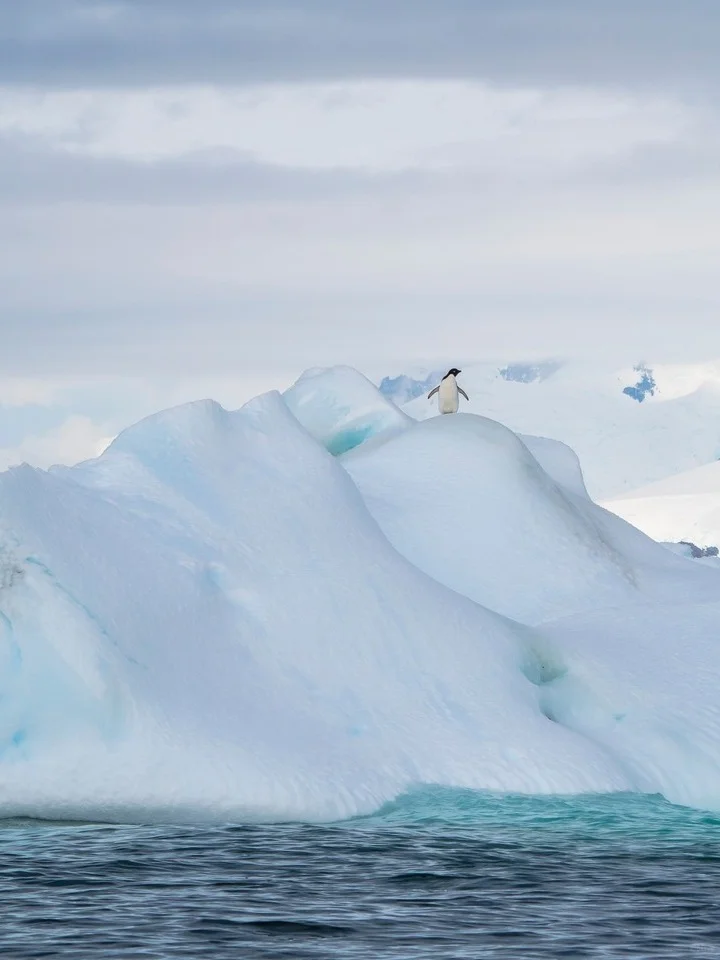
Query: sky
point(204, 199)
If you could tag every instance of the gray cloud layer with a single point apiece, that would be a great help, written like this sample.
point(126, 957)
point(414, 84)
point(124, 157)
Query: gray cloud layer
point(223, 263)
point(122, 42)
point(33, 173)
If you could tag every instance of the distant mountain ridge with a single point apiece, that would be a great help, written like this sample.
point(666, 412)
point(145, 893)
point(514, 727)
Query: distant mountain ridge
point(404, 388)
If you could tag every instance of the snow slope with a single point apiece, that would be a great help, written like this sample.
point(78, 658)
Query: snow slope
point(684, 507)
point(644, 684)
point(220, 619)
point(521, 543)
point(630, 425)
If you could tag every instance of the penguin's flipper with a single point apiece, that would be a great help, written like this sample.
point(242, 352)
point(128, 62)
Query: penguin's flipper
point(460, 390)
point(433, 392)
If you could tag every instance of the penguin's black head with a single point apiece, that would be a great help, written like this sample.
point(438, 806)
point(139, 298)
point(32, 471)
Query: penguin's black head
point(452, 373)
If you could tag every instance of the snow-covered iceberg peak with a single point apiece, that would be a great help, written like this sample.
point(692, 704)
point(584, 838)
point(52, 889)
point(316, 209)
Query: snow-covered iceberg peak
point(342, 409)
point(465, 499)
point(217, 618)
point(207, 621)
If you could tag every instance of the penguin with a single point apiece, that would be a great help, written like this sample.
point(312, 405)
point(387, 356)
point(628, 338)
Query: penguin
point(447, 391)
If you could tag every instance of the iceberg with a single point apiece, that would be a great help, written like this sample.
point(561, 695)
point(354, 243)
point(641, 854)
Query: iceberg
point(470, 505)
point(342, 409)
point(242, 615)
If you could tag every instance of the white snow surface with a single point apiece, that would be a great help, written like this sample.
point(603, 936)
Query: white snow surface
point(685, 507)
point(218, 619)
point(466, 501)
point(623, 444)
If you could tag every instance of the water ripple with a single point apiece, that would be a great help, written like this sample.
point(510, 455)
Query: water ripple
point(441, 874)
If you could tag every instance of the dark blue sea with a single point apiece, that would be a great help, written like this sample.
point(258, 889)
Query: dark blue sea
point(438, 874)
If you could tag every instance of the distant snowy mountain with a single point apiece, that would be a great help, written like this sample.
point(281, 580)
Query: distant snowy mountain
point(630, 425)
point(685, 507)
point(403, 388)
point(305, 607)
point(529, 372)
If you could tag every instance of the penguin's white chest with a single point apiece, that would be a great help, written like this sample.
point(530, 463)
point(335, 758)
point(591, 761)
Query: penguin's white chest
point(448, 401)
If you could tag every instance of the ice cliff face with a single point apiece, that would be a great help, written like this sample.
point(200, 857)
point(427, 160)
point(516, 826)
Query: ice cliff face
point(301, 608)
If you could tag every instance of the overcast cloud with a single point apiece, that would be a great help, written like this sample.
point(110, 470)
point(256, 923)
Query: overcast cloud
point(146, 42)
point(212, 196)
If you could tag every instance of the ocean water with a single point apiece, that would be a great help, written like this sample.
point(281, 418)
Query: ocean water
point(438, 874)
